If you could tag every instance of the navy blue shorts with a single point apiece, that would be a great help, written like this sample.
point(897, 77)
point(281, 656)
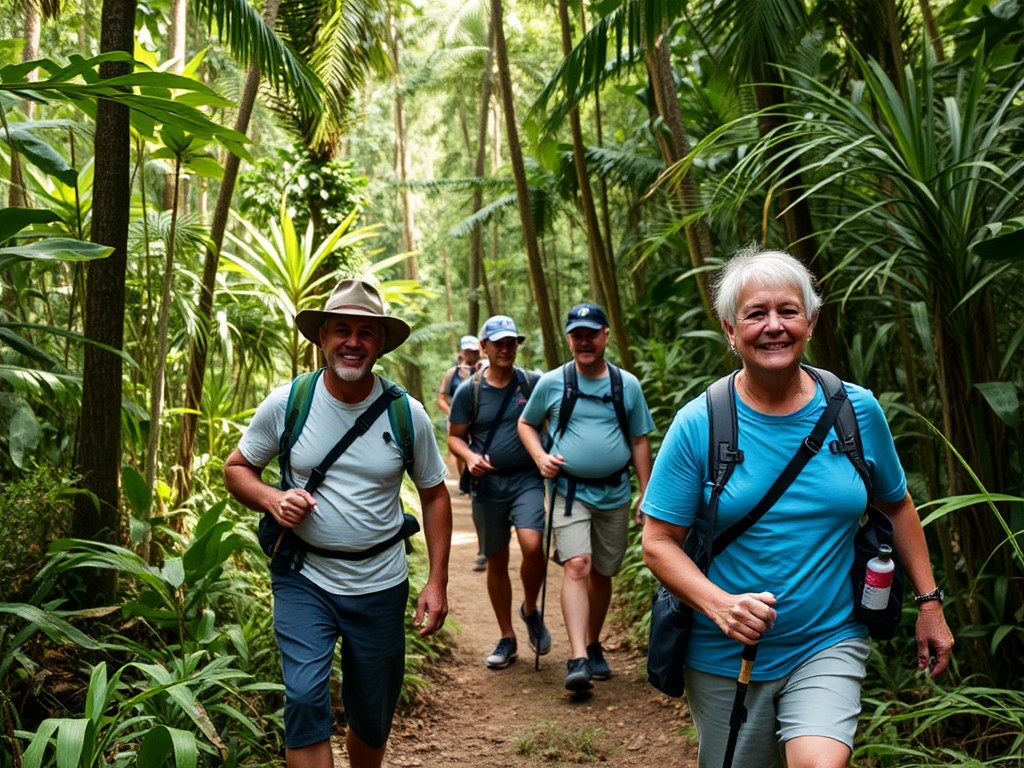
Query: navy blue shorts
point(308, 622)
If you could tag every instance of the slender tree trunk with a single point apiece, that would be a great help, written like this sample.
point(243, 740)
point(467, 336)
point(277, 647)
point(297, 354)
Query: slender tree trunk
point(98, 442)
point(176, 53)
point(537, 281)
point(157, 393)
point(599, 261)
point(674, 147)
point(932, 29)
point(204, 312)
point(476, 246)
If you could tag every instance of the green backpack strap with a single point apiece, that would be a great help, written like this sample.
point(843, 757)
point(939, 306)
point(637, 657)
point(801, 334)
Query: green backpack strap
point(300, 398)
point(400, 417)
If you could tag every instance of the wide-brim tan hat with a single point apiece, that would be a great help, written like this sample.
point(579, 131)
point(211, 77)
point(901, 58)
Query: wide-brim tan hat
point(354, 298)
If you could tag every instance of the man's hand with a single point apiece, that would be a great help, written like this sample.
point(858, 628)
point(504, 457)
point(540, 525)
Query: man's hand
point(431, 609)
point(292, 506)
point(478, 465)
point(550, 464)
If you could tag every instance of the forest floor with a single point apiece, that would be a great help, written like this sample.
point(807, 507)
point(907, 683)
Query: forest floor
point(474, 717)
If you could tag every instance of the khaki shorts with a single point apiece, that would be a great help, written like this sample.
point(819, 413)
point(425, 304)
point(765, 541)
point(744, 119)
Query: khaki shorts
point(600, 533)
point(821, 697)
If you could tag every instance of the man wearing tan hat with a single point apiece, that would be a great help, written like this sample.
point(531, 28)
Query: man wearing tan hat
point(348, 577)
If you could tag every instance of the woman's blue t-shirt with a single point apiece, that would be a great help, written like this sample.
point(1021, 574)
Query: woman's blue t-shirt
point(801, 550)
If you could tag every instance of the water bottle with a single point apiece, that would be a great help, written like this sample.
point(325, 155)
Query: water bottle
point(878, 580)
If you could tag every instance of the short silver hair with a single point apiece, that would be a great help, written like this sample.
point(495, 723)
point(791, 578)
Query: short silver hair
point(752, 266)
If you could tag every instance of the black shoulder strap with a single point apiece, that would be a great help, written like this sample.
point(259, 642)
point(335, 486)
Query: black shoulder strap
point(808, 448)
point(570, 394)
point(363, 423)
point(619, 401)
point(848, 432)
point(510, 390)
point(723, 453)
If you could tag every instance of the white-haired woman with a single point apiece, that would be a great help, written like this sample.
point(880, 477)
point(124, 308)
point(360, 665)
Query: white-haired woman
point(784, 582)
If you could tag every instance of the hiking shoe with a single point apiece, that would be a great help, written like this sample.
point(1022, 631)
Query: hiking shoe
point(503, 655)
point(579, 675)
point(598, 665)
point(537, 633)
point(480, 564)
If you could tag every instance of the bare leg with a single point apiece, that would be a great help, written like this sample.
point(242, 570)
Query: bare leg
point(532, 569)
point(317, 755)
point(360, 755)
point(599, 589)
point(499, 589)
point(816, 752)
point(576, 603)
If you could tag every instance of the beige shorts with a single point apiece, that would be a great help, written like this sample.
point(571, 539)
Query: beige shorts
point(600, 533)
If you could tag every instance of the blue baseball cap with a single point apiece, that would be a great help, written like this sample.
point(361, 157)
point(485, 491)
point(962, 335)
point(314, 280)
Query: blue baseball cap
point(500, 327)
point(586, 316)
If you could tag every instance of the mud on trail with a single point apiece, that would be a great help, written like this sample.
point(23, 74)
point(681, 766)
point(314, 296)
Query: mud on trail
point(475, 717)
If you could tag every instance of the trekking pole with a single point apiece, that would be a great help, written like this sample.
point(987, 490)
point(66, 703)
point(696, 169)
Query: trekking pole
point(739, 711)
point(552, 491)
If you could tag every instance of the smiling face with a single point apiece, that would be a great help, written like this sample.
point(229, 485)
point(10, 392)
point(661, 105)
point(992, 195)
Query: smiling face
point(588, 345)
point(771, 328)
point(351, 346)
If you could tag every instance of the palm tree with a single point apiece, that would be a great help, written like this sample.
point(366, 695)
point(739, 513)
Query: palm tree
point(536, 267)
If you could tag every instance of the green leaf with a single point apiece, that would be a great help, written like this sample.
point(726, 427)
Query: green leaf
point(50, 623)
point(40, 154)
point(1008, 247)
point(23, 433)
point(73, 739)
point(1003, 400)
point(53, 249)
point(13, 220)
point(173, 572)
point(138, 494)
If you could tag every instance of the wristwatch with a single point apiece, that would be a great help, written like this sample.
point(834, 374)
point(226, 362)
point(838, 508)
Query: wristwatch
point(927, 597)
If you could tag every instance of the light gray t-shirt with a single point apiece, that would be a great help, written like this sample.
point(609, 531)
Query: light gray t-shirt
point(358, 502)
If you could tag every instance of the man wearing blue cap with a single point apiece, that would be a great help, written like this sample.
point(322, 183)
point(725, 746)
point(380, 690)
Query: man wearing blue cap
point(590, 454)
point(506, 486)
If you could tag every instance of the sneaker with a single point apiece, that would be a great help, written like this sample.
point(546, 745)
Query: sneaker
point(537, 633)
point(480, 564)
point(598, 665)
point(579, 675)
point(503, 655)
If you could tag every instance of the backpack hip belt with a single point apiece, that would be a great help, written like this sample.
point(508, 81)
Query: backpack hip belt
point(572, 481)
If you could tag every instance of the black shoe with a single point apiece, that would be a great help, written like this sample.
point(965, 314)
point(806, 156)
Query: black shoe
point(536, 632)
point(579, 675)
point(598, 665)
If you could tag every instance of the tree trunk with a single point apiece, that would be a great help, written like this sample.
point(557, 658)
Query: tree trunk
point(674, 147)
point(476, 247)
point(204, 311)
point(176, 53)
point(98, 444)
point(599, 261)
point(537, 282)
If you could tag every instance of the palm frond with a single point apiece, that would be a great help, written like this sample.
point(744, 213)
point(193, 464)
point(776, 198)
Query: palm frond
point(485, 215)
point(255, 44)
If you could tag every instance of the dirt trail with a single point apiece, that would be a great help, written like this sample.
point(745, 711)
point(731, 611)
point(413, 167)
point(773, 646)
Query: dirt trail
point(480, 718)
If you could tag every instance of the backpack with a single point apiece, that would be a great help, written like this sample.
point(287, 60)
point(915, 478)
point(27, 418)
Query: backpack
point(876, 530)
point(284, 548)
point(571, 393)
point(300, 398)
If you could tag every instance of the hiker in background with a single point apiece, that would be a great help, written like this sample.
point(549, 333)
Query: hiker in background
point(597, 423)
point(468, 364)
point(784, 582)
point(321, 597)
point(507, 490)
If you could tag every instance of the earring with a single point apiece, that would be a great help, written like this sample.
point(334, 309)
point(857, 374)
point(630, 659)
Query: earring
point(732, 348)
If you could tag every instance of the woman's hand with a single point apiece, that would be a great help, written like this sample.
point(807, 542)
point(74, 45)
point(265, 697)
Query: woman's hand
point(934, 640)
point(744, 617)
